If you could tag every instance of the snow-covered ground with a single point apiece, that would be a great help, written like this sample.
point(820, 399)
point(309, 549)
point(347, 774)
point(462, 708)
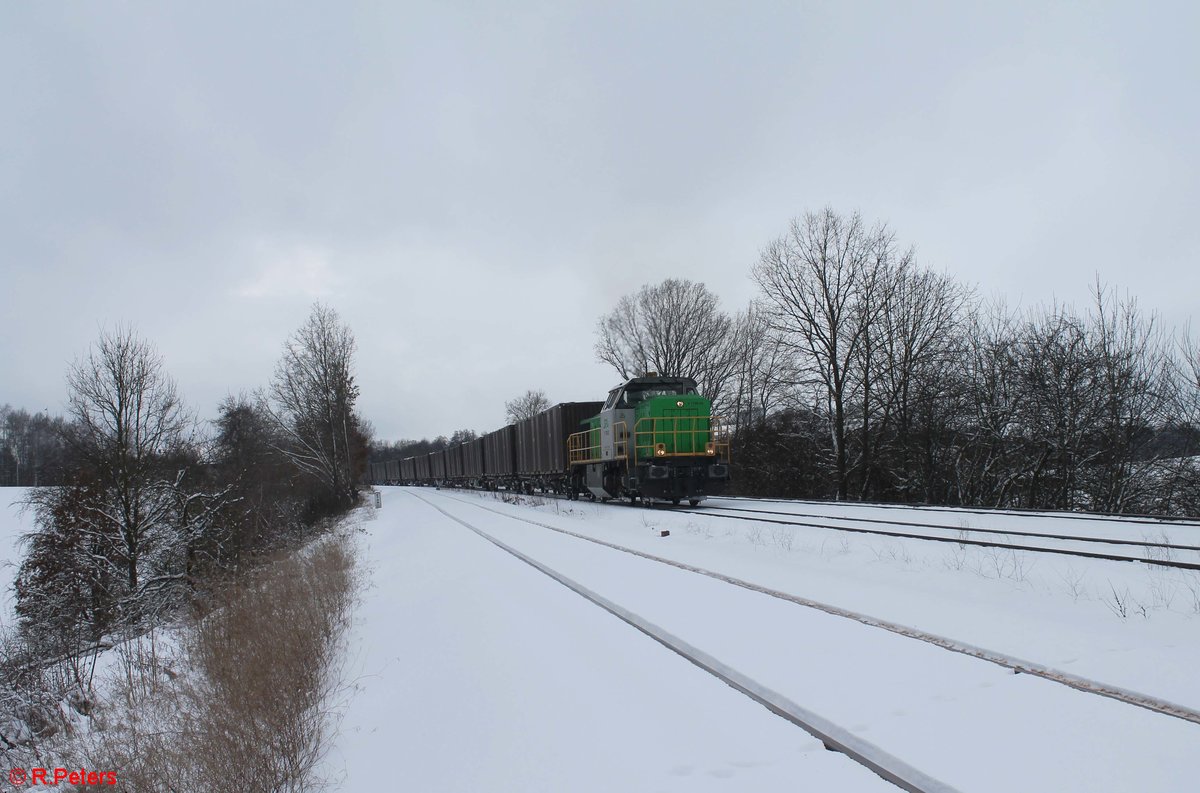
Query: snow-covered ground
point(898, 518)
point(1058, 611)
point(474, 671)
point(468, 670)
point(13, 523)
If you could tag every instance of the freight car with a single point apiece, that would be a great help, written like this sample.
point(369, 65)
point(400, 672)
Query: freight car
point(653, 439)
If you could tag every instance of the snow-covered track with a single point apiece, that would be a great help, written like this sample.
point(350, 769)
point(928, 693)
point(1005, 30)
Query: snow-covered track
point(960, 540)
point(1115, 517)
point(1017, 665)
point(1084, 538)
point(835, 737)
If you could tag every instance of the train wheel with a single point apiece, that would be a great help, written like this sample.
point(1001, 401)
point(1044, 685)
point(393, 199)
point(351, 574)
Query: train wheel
point(674, 502)
point(695, 502)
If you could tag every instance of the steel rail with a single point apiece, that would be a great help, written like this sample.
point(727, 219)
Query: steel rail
point(1042, 535)
point(1188, 521)
point(958, 540)
point(1013, 663)
point(834, 737)
point(707, 512)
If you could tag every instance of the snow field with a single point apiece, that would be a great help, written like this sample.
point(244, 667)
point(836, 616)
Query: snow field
point(969, 723)
point(471, 671)
point(1003, 529)
point(14, 522)
point(1080, 525)
point(1050, 609)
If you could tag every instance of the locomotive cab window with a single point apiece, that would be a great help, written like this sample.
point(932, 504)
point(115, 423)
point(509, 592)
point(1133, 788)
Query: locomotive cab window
point(633, 395)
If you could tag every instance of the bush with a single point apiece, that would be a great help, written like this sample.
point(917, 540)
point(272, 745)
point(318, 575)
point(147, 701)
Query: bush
point(248, 692)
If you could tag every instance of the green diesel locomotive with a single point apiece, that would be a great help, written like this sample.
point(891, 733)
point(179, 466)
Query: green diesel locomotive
point(655, 439)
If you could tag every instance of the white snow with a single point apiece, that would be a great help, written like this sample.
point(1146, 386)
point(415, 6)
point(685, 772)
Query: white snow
point(481, 673)
point(468, 670)
point(14, 522)
point(474, 672)
point(1055, 610)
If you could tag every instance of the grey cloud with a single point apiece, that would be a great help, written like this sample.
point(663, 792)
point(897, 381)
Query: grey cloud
point(471, 184)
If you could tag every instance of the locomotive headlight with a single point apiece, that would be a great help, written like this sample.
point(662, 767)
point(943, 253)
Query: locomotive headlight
point(660, 450)
point(710, 448)
point(679, 404)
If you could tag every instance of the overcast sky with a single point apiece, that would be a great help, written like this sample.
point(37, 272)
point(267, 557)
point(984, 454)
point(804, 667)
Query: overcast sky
point(471, 188)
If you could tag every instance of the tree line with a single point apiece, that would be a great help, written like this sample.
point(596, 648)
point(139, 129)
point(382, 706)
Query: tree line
point(856, 373)
point(31, 449)
point(525, 406)
point(152, 507)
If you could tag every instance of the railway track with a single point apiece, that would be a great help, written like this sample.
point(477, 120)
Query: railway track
point(929, 531)
point(1016, 665)
point(1165, 546)
point(835, 737)
point(1154, 552)
point(1113, 517)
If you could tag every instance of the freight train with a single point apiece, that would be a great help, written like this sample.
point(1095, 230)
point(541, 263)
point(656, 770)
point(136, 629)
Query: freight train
point(653, 439)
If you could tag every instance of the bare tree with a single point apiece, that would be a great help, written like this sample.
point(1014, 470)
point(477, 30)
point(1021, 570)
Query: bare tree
point(985, 463)
point(760, 374)
point(824, 285)
point(1186, 393)
point(312, 400)
point(919, 347)
point(463, 436)
point(675, 328)
point(1182, 492)
point(1136, 380)
point(264, 505)
point(525, 406)
point(128, 422)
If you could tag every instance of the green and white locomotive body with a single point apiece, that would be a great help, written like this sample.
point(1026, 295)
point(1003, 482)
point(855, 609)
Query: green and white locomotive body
point(655, 439)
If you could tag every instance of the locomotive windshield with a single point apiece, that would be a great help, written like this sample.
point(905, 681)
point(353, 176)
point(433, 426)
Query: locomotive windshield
point(637, 393)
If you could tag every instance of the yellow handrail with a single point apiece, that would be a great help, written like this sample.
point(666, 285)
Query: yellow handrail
point(654, 438)
point(683, 436)
point(581, 449)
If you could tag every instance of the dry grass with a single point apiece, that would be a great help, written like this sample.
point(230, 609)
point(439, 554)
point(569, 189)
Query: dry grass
point(246, 702)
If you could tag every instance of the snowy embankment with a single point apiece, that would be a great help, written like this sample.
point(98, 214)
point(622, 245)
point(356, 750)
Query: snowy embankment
point(480, 673)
